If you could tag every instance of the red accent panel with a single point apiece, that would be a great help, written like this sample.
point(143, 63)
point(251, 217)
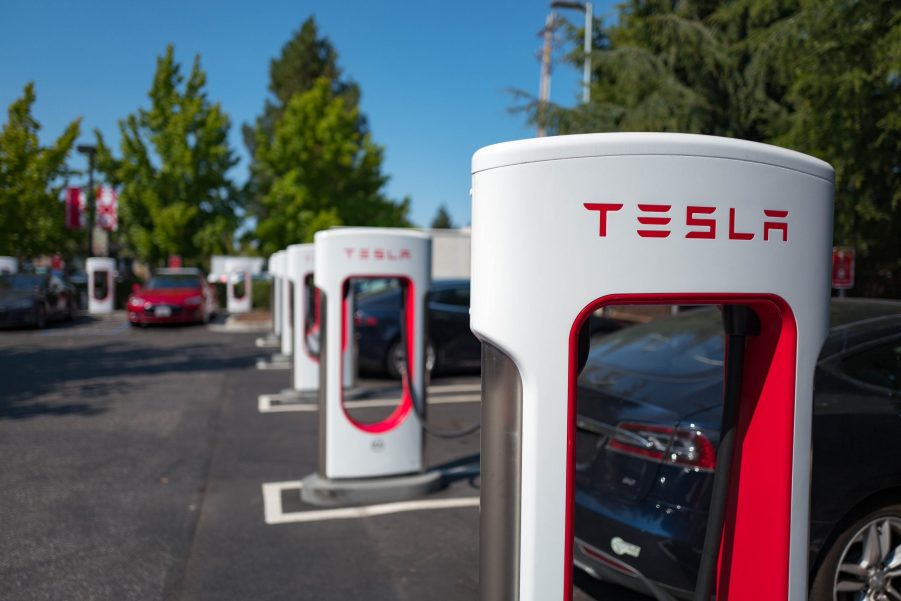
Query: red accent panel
point(654, 233)
point(754, 555)
point(403, 409)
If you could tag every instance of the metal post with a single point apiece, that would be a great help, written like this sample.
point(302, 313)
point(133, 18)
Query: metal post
point(89, 151)
point(544, 90)
point(586, 70)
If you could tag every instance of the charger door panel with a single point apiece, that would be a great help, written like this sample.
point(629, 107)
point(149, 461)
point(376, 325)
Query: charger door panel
point(238, 285)
point(101, 272)
point(306, 362)
point(9, 265)
point(392, 446)
point(563, 226)
point(275, 273)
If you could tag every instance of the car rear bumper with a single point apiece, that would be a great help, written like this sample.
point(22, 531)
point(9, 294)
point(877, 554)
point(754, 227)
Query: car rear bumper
point(181, 315)
point(17, 317)
point(642, 540)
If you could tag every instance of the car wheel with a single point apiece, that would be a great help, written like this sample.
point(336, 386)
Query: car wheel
point(395, 359)
point(40, 317)
point(864, 562)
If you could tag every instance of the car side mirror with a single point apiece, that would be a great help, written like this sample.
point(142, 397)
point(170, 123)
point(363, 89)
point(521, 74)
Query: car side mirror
point(135, 288)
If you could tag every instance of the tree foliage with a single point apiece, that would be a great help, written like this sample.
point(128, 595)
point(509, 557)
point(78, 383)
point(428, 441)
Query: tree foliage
point(31, 183)
point(314, 164)
point(176, 197)
point(819, 76)
point(323, 170)
point(442, 219)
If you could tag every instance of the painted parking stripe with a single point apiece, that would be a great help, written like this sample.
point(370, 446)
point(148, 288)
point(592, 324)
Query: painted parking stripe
point(273, 403)
point(274, 514)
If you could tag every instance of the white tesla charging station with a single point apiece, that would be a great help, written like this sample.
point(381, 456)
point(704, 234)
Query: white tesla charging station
point(275, 271)
point(562, 226)
point(9, 265)
point(369, 462)
point(101, 284)
point(238, 270)
point(306, 360)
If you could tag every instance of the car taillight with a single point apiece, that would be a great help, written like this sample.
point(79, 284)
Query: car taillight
point(685, 447)
point(365, 320)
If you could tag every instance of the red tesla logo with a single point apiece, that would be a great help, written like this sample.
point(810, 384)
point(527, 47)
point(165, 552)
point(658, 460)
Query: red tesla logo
point(378, 254)
point(654, 222)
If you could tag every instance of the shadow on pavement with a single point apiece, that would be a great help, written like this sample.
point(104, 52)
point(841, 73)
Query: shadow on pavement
point(95, 371)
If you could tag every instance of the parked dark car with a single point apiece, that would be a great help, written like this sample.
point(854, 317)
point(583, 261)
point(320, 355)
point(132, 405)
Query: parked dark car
point(33, 299)
point(649, 405)
point(451, 345)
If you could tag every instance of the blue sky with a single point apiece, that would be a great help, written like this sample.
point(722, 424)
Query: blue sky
point(434, 75)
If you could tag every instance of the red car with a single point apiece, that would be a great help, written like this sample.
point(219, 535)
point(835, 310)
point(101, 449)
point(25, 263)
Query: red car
point(172, 296)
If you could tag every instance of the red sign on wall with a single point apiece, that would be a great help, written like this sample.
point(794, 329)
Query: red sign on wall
point(842, 267)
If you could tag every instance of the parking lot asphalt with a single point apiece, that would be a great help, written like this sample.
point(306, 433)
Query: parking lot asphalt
point(136, 465)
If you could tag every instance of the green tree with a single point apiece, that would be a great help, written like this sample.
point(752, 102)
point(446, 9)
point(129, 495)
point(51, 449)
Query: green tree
point(442, 219)
point(31, 183)
point(324, 171)
point(304, 59)
point(176, 197)
point(818, 76)
point(841, 62)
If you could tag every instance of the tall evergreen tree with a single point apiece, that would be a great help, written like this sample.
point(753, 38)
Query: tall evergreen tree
point(324, 172)
point(31, 184)
point(176, 197)
point(314, 163)
point(442, 219)
point(818, 76)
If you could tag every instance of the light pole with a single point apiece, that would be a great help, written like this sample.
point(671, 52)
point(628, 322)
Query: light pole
point(544, 89)
point(89, 151)
point(586, 68)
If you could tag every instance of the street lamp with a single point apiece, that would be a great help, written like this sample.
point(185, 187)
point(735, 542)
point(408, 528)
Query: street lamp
point(586, 69)
point(89, 151)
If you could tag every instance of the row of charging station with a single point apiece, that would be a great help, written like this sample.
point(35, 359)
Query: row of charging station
point(314, 306)
point(561, 227)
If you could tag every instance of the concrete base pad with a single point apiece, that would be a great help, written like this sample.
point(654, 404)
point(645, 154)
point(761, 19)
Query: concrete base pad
point(324, 492)
point(268, 342)
point(277, 361)
point(289, 395)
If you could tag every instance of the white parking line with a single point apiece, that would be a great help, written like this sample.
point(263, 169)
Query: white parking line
point(265, 364)
point(271, 403)
point(274, 514)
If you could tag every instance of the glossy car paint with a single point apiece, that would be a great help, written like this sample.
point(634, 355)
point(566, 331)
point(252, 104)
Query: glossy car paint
point(23, 295)
point(447, 312)
point(669, 373)
point(195, 302)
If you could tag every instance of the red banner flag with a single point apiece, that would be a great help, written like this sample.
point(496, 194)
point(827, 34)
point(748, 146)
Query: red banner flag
point(75, 202)
point(107, 209)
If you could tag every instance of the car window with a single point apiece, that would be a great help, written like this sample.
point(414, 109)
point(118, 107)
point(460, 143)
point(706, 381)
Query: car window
point(162, 282)
point(19, 282)
point(452, 296)
point(880, 366)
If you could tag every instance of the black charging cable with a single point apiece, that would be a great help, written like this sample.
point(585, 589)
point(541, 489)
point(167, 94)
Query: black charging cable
point(418, 403)
point(740, 322)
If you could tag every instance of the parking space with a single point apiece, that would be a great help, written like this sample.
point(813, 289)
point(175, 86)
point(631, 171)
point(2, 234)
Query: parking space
point(138, 465)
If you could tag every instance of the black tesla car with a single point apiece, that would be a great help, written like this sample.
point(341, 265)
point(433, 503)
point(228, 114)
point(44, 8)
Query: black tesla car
point(32, 299)
point(649, 405)
point(451, 344)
